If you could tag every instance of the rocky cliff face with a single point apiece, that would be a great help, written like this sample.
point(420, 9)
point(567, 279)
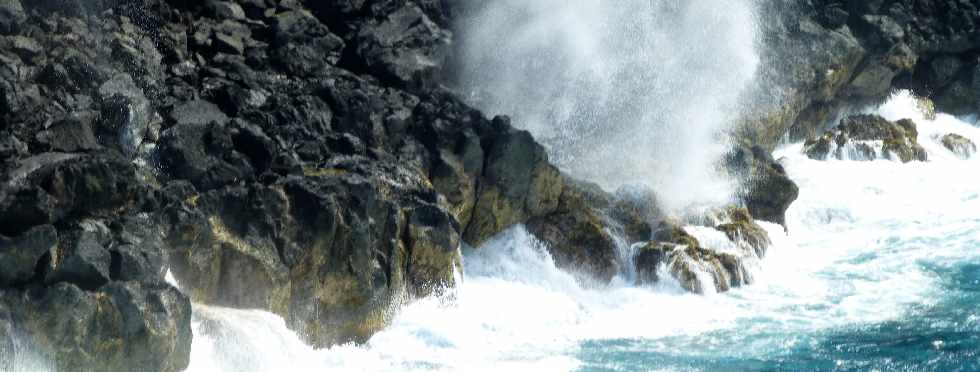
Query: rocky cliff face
point(824, 57)
point(296, 157)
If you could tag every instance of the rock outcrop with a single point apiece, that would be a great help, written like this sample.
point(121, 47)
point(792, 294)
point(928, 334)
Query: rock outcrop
point(959, 145)
point(868, 137)
point(581, 233)
point(765, 188)
point(701, 269)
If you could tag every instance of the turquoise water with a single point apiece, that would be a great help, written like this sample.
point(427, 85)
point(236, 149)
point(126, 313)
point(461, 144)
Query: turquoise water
point(939, 335)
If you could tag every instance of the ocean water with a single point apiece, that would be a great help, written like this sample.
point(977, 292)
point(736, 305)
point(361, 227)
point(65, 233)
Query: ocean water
point(880, 270)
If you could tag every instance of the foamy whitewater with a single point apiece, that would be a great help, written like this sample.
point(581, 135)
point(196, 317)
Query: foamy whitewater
point(880, 270)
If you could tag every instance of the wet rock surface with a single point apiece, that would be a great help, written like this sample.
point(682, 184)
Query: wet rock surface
point(827, 57)
point(765, 188)
point(868, 137)
point(699, 268)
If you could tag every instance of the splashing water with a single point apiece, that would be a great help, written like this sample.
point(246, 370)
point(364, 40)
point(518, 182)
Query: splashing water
point(622, 92)
point(880, 271)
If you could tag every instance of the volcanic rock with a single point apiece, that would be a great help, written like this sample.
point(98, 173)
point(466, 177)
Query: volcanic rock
point(868, 137)
point(959, 145)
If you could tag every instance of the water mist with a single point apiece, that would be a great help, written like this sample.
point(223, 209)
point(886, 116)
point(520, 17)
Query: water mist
point(621, 92)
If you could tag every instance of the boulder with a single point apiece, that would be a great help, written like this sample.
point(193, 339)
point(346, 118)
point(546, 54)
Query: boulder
point(960, 97)
point(20, 256)
point(197, 112)
point(69, 135)
point(959, 145)
point(578, 236)
point(125, 326)
point(405, 49)
point(739, 226)
point(11, 16)
point(83, 261)
point(226, 10)
point(868, 137)
point(11, 148)
point(518, 183)
point(332, 251)
point(53, 186)
point(766, 189)
point(697, 269)
point(203, 153)
point(649, 258)
point(302, 45)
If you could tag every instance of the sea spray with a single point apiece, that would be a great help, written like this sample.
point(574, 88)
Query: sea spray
point(622, 92)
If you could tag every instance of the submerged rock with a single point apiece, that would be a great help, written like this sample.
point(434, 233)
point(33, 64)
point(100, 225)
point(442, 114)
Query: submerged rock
point(11, 16)
point(959, 145)
point(868, 137)
point(406, 48)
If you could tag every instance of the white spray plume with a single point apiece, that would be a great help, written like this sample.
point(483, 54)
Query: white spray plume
point(621, 92)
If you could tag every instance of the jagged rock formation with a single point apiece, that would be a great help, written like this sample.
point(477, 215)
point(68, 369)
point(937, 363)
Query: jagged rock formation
point(581, 232)
point(868, 137)
point(766, 189)
point(697, 267)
